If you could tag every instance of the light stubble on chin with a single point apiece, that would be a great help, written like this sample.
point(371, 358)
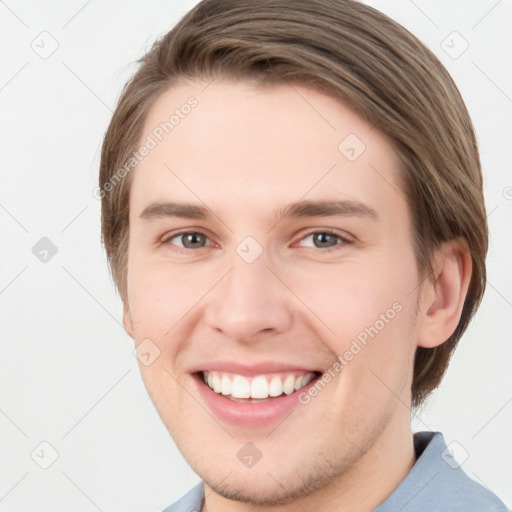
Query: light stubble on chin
point(314, 476)
point(274, 493)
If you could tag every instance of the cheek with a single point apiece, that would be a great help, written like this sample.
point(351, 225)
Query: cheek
point(160, 296)
point(353, 296)
point(366, 316)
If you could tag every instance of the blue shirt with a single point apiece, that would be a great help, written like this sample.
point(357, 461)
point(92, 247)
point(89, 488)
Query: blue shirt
point(436, 483)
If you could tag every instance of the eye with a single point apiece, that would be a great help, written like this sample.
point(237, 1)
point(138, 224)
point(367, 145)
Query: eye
point(325, 239)
point(188, 240)
point(195, 240)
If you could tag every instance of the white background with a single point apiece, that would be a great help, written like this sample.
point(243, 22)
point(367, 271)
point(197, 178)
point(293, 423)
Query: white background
point(67, 373)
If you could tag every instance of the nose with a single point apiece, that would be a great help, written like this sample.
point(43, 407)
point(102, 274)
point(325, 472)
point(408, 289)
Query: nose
point(250, 302)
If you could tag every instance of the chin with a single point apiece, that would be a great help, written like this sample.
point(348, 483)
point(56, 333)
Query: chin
point(269, 487)
point(269, 490)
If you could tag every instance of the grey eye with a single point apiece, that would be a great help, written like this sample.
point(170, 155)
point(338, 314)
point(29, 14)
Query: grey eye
point(322, 239)
point(189, 240)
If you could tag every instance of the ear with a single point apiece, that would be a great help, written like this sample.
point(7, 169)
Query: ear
point(442, 295)
point(127, 321)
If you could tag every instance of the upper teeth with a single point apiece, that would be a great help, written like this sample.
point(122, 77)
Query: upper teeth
point(261, 386)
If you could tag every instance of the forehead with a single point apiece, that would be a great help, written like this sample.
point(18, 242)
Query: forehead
point(239, 144)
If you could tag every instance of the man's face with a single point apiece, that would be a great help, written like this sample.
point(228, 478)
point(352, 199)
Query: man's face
point(257, 298)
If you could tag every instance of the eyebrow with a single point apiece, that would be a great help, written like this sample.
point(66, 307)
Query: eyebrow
point(321, 208)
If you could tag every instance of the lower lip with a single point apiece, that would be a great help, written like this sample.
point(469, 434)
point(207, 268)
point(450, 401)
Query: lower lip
point(249, 414)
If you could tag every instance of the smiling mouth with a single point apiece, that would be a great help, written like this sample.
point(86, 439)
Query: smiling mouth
point(256, 389)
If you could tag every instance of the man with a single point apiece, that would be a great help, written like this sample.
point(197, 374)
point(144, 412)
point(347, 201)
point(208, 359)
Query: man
point(293, 213)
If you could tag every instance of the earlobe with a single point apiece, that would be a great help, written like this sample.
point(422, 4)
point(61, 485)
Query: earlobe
point(127, 322)
point(442, 297)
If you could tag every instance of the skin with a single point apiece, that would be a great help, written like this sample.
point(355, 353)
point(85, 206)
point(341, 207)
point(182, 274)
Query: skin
point(245, 152)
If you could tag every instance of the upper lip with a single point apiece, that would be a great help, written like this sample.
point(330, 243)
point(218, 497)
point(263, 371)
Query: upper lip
point(251, 369)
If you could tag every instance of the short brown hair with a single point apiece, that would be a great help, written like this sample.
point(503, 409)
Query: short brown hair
point(370, 63)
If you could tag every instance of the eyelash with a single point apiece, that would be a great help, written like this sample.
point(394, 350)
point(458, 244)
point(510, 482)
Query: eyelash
point(342, 240)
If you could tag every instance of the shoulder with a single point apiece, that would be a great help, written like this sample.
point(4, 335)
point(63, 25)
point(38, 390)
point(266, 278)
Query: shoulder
point(191, 502)
point(457, 491)
point(438, 482)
